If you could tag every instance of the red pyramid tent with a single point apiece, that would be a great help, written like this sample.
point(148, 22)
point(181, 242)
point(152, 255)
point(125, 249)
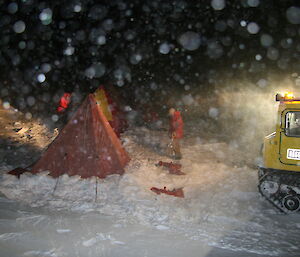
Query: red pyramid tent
point(87, 146)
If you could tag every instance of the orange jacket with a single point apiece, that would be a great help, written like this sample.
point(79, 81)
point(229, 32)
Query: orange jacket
point(64, 102)
point(176, 125)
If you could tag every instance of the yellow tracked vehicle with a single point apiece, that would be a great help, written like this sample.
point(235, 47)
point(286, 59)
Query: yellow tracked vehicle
point(279, 176)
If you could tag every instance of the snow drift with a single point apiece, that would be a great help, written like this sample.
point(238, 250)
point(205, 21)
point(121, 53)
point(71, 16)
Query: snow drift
point(221, 206)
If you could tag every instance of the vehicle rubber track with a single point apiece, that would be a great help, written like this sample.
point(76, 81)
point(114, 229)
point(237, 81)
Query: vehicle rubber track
point(283, 188)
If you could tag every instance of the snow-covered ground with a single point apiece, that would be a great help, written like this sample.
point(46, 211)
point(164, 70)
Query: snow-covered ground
point(222, 213)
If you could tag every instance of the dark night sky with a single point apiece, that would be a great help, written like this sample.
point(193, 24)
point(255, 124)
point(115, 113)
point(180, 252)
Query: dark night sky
point(142, 43)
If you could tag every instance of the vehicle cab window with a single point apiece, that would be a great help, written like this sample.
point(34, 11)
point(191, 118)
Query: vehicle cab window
point(292, 124)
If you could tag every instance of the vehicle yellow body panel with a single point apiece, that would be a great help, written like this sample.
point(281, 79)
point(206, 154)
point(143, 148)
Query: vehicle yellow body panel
point(278, 143)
